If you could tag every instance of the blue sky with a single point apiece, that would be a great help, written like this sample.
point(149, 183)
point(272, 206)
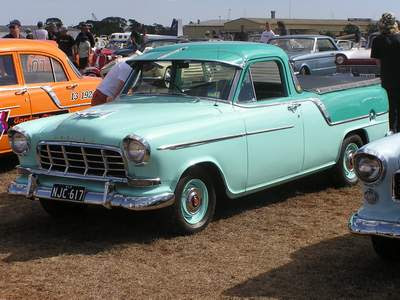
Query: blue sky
point(162, 11)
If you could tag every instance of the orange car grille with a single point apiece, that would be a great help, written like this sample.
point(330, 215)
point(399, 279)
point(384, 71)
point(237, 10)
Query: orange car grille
point(82, 160)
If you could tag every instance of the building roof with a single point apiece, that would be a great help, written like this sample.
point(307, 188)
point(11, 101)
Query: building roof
point(209, 23)
point(233, 53)
point(304, 21)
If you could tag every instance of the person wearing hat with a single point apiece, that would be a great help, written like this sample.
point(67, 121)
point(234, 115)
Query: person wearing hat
point(66, 43)
point(15, 30)
point(386, 50)
point(40, 33)
point(85, 31)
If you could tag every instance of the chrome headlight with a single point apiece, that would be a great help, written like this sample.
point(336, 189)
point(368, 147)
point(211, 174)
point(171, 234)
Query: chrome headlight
point(368, 168)
point(136, 149)
point(19, 141)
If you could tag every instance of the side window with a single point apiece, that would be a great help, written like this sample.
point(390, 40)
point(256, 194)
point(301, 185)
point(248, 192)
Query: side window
point(267, 80)
point(247, 89)
point(37, 68)
point(325, 45)
point(59, 73)
point(7, 71)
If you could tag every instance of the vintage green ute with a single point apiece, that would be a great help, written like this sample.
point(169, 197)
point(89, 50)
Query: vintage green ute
point(221, 118)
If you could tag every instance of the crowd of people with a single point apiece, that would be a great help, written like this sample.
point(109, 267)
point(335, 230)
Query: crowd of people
point(80, 47)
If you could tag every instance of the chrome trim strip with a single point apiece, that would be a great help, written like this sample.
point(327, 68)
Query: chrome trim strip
point(358, 225)
point(50, 92)
point(202, 142)
point(320, 105)
point(270, 130)
point(198, 143)
point(10, 107)
point(135, 182)
point(108, 198)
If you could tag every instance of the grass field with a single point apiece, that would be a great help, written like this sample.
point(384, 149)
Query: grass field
point(289, 242)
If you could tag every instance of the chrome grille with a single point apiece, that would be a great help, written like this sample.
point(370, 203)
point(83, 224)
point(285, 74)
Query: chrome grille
point(82, 159)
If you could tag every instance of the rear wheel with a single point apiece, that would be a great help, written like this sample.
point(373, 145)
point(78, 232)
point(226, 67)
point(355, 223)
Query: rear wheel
point(195, 201)
point(343, 172)
point(386, 248)
point(59, 209)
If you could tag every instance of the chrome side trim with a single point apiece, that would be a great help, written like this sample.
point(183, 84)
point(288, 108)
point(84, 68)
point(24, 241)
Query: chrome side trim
point(10, 107)
point(320, 105)
point(202, 142)
point(358, 225)
point(270, 130)
point(134, 182)
point(50, 92)
point(109, 198)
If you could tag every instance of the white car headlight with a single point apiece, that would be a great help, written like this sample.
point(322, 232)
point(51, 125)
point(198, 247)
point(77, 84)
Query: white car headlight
point(136, 149)
point(19, 141)
point(368, 168)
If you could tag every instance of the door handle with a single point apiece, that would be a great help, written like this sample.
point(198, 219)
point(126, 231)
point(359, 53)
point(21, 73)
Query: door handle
point(293, 106)
point(21, 91)
point(72, 86)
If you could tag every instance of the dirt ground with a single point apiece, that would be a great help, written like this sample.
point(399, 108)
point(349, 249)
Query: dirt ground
point(289, 242)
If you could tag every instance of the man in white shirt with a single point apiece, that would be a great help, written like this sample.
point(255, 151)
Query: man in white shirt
point(112, 84)
point(267, 34)
point(40, 33)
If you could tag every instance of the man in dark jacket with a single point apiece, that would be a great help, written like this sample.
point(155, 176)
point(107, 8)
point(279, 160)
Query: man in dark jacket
point(66, 43)
point(386, 49)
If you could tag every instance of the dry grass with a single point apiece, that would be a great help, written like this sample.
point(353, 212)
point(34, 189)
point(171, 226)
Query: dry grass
point(288, 242)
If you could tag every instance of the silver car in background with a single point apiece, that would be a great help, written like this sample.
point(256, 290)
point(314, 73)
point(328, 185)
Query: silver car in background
point(309, 54)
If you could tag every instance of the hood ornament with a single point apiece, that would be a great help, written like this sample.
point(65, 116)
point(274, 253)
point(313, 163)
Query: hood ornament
point(92, 114)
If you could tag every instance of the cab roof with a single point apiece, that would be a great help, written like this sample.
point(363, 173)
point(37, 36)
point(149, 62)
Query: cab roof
point(233, 53)
point(10, 45)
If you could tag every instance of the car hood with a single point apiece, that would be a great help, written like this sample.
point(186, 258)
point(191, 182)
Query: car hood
point(110, 123)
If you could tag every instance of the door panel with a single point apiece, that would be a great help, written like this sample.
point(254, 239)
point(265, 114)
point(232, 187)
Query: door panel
point(14, 99)
point(275, 143)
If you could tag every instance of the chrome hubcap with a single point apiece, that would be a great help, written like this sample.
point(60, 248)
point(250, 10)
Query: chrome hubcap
point(193, 201)
point(351, 149)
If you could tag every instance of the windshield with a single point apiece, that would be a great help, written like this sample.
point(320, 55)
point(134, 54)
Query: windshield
point(187, 78)
point(294, 44)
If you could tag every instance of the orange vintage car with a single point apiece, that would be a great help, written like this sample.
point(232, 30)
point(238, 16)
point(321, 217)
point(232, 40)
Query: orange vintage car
point(38, 80)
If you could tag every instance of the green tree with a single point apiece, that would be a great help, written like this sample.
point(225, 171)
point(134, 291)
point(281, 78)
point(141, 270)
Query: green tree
point(351, 29)
point(371, 28)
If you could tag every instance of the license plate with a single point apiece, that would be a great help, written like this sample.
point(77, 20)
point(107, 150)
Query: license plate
point(397, 186)
point(68, 192)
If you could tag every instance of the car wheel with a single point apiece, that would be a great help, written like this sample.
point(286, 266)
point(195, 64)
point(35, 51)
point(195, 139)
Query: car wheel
point(386, 248)
point(343, 172)
point(59, 209)
point(167, 77)
point(304, 71)
point(195, 201)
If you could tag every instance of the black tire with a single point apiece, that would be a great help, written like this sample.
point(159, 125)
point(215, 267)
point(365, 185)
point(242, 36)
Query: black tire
point(386, 248)
point(179, 221)
point(340, 175)
point(59, 209)
point(304, 71)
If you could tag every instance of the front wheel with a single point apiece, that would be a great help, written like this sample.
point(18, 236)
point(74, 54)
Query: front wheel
point(343, 172)
point(386, 248)
point(195, 201)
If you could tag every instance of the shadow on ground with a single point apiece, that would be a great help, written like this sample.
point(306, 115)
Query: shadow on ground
point(8, 162)
point(27, 233)
point(344, 267)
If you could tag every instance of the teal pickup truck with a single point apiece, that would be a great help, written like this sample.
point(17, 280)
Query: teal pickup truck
point(225, 117)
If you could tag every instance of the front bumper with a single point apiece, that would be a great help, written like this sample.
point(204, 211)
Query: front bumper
point(362, 226)
point(109, 198)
